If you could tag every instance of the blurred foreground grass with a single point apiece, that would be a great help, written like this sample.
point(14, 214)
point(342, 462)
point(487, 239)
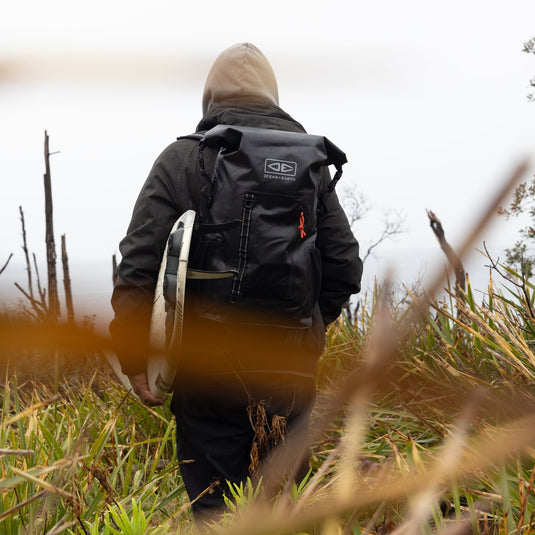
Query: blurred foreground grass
point(434, 435)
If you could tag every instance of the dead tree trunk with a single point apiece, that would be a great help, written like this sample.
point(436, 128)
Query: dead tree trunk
point(67, 281)
point(26, 255)
point(453, 259)
point(53, 301)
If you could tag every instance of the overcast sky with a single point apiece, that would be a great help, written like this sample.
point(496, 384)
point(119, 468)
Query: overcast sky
point(428, 100)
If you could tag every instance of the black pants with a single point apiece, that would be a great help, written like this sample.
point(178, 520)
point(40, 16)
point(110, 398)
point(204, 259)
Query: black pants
point(215, 428)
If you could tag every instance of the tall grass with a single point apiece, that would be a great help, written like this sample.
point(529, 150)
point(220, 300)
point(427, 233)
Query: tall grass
point(443, 443)
point(443, 439)
point(73, 456)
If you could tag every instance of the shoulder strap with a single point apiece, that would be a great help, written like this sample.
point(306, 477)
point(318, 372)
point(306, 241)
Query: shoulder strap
point(200, 138)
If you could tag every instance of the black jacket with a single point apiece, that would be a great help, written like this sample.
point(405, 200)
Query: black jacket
point(174, 186)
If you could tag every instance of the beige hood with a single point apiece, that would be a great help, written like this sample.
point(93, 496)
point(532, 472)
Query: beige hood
point(241, 71)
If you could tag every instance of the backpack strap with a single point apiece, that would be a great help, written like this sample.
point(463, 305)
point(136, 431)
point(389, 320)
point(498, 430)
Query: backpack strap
point(199, 137)
point(201, 274)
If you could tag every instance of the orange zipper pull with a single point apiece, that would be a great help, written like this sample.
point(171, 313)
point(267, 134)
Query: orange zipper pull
point(301, 226)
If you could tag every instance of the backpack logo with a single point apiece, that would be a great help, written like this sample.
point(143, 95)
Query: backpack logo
point(282, 168)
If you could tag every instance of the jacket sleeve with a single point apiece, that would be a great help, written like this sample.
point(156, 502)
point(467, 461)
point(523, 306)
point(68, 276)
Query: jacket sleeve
point(156, 209)
point(341, 264)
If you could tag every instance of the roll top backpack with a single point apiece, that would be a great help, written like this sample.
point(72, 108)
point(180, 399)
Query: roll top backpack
point(256, 225)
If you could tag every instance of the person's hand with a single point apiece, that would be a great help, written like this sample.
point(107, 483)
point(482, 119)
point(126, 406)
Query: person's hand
point(140, 386)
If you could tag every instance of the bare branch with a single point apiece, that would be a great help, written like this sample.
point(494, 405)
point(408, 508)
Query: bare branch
point(25, 249)
point(354, 204)
point(522, 285)
point(356, 207)
point(36, 305)
point(494, 264)
point(5, 265)
point(391, 227)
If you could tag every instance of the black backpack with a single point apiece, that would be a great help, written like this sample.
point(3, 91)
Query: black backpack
point(257, 224)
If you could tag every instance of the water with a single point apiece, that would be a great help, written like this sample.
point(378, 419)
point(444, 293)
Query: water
point(91, 281)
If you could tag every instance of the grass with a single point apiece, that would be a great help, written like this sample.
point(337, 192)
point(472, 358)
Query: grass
point(440, 437)
point(86, 453)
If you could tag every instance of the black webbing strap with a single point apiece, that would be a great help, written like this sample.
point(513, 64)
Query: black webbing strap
point(248, 203)
point(335, 179)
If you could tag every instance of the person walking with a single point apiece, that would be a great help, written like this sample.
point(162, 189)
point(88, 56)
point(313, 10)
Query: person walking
point(240, 387)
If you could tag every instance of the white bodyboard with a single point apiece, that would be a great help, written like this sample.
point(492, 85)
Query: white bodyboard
point(162, 362)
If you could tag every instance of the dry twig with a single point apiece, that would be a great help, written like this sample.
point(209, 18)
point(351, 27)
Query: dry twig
point(6, 263)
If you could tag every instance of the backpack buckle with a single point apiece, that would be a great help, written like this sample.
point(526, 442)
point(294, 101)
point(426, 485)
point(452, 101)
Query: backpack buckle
point(248, 200)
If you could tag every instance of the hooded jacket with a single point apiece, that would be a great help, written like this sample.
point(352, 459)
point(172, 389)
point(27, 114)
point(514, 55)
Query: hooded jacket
point(240, 89)
point(239, 73)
